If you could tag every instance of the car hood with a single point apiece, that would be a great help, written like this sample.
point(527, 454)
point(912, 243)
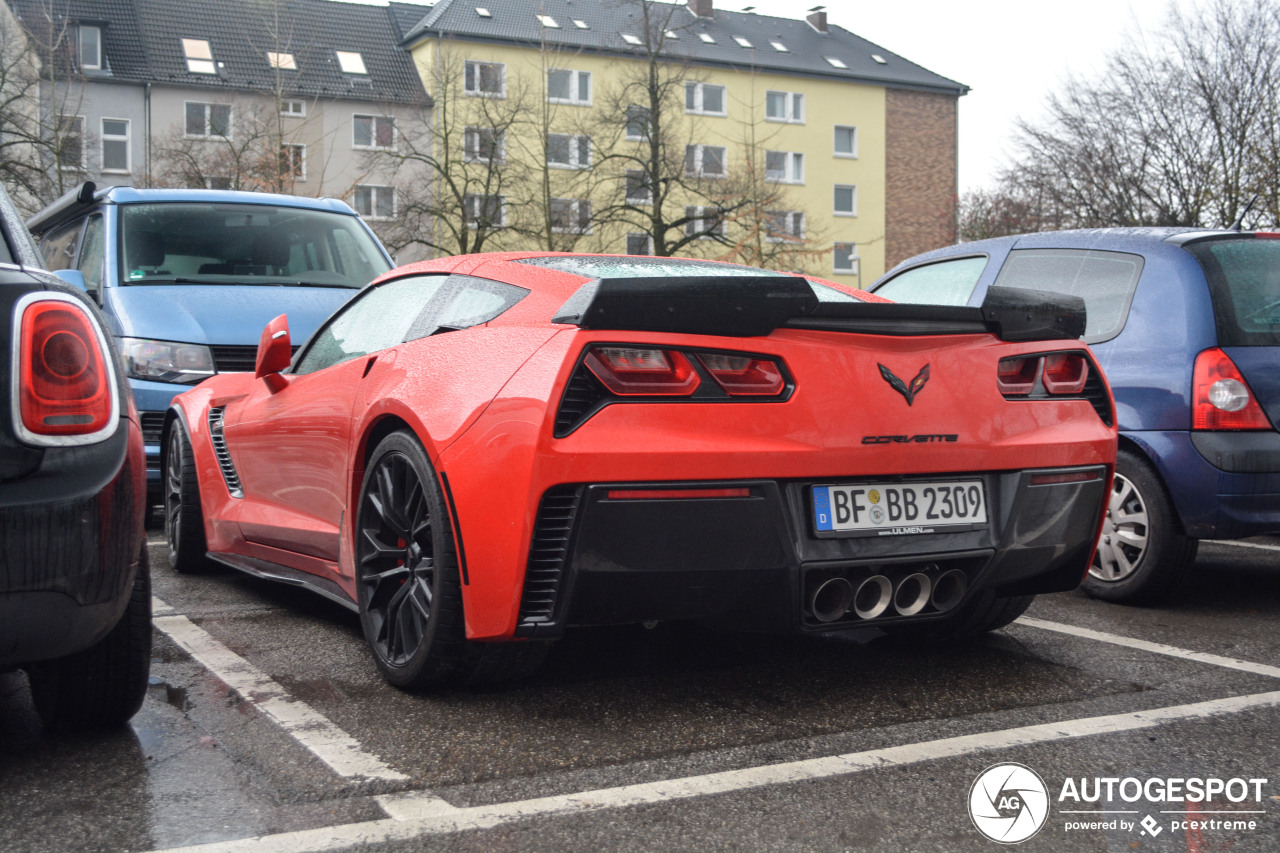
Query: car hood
point(218, 314)
point(1260, 367)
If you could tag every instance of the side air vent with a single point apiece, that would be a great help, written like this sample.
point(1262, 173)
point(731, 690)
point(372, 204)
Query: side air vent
point(548, 554)
point(224, 456)
point(582, 396)
point(1096, 393)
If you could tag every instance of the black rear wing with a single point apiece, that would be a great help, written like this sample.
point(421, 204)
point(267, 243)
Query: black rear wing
point(750, 306)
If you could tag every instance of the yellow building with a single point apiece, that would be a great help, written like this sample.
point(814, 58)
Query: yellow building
point(639, 127)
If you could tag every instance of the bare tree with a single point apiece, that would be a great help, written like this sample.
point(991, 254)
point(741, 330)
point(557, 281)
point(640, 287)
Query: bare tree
point(1174, 132)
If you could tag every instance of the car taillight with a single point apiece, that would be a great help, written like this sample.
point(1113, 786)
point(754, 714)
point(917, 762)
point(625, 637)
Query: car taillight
point(1016, 377)
point(1065, 373)
point(64, 382)
point(742, 375)
point(628, 371)
point(1220, 397)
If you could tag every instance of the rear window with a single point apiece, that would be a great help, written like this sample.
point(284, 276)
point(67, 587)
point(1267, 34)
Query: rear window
point(1244, 280)
point(1105, 281)
point(939, 283)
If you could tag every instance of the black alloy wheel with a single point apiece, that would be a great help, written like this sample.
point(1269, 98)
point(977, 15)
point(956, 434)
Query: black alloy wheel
point(183, 517)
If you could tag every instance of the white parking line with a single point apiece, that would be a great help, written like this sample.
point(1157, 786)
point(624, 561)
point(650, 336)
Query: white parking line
point(344, 755)
point(1236, 544)
point(415, 816)
point(1154, 648)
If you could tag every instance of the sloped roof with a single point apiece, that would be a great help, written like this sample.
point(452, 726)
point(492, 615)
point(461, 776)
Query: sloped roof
point(53, 20)
point(807, 50)
point(142, 41)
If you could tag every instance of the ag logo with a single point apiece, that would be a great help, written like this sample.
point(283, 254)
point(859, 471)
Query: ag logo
point(1009, 803)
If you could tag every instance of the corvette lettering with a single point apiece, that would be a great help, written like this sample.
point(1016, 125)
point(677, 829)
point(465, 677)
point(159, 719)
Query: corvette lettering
point(908, 439)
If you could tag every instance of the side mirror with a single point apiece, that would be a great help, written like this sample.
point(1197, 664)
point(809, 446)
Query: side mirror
point(274, 353)
point(74, 278)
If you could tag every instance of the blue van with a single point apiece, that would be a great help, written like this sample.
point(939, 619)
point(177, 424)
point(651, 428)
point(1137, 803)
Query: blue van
point(187, 279)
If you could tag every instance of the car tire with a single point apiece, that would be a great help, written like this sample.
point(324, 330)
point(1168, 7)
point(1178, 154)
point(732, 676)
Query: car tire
point(984, 612)
point(407, 577)
point(104, 685)
point(1142, 553)
point(183, 517)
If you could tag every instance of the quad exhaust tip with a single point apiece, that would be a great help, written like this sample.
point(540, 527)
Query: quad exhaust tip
point(831, 599)
point(939, 591)
point(873, 597)
point(948, 590)
point(912, 594)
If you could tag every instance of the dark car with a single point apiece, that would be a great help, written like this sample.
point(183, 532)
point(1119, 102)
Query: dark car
point(75, 596)
point(1186, 325)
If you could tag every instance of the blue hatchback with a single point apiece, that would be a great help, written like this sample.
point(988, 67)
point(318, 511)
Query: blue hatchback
point(1186, 325)
point(187, 279)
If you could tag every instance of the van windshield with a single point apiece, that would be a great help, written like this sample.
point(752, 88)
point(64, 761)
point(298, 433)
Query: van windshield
point(220, 243)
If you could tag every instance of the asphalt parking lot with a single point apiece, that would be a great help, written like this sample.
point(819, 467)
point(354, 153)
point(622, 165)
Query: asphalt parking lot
point(267, 728)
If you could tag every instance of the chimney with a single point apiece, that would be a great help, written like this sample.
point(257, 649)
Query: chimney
point(702, 8)
point(817, 18)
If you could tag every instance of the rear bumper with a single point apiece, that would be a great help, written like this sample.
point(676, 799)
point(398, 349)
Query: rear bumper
point(70, 535)
point(755, 562)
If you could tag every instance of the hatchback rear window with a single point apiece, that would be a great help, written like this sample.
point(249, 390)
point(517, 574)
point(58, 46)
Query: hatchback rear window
point(1244, 280)
point(1104, 280)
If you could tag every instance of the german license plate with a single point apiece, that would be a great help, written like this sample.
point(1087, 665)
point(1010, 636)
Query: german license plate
point(899, 508)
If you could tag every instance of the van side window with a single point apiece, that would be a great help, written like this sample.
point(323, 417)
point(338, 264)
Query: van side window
point(93, 253)
point(58, 247)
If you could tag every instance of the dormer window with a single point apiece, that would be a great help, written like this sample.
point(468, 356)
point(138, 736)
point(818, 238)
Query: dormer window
point(90, 48)
point(350, 62)
point(199, 56)
point(282, 60)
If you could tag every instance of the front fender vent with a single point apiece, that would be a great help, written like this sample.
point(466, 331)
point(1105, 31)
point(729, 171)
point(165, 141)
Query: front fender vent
point(219, 441)
point(548, 556)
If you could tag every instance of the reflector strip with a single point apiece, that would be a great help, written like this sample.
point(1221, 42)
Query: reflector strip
point(1056, 479)
point(675, 494)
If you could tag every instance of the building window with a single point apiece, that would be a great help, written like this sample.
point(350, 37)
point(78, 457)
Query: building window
point(375, 202)
point(483, 145)
point(571, 215)
point(784, 106)
point(214, 182)
point(115, 145)
point(703, 222)
point(373, 131)
point(638, 189)
point(568, 152)
point(351, 62)
point(569, 87)
point(637, 123)
point(639, 244)
point(846, 258)
point(294, 108)
point(704, 99)
point(548, 22)
point(846, 200)
point(630, 39)
point(199, 56)
point(486, 79)
point(784, 226)
point(704, 161)
point(485, 211)
point(846, 141)
point(784, 167)
point(287, 61)
point(71, 143)
point(293, 161)
point(208, 119)
point(90, 48)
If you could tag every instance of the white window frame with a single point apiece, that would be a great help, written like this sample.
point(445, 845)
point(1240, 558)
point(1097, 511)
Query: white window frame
point(298, 160)
point(853, 258)
point(853, 133)
point(698, 90)
point(793, 107)
point(282, 60)
point(351, 62)
point(699, 152)
point(374, 195)
point(575, 87)
point(472, 74)
point(575, 212)
point(853, 188)
point(637, 112)
point(575, 151)
point(208, 121)
point(472, 145)
point(104, 138)
point(792, 170)
point(373, 132)
point(199, 56)
point(96, 31)
point(701, 215)
point(793, 226)
point(472, 217)
point(287, 108)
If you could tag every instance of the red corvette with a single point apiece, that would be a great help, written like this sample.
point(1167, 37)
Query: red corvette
point(479, 452)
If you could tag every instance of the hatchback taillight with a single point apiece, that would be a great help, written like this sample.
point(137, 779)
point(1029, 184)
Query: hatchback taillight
point(1220, 397)
point(64, 384)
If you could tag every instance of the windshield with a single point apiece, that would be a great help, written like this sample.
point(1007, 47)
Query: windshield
point(203, 243)
point(1244, 278)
